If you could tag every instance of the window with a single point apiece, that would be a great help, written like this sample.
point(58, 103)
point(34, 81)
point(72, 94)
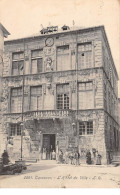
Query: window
point(37, 61)
point(63, 61)
point(86, 128)
point(109, 101)
point(16, 100)
point(81, 128)
point(116, 138)
point(89, 128)
point(63, 96)
point(105, 97)
point(12, 130)
point(36, 98)
point(84, 55)
point(17, 63)
point(15, 129)
point(86, 95)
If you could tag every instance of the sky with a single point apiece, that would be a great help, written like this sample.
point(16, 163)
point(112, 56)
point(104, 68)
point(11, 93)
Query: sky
point(24, 18)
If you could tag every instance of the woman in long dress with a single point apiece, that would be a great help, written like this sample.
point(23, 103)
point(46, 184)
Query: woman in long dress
point(44, 153)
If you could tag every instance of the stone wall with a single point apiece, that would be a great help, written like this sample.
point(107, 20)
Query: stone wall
point(111, 99)
point(49, 94)
point(112, 135)
point(97, 140)
point(60, 40)
point(2, 136)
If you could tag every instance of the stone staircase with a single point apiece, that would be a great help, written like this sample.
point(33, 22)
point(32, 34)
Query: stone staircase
point(30, 159)
point(116, 159)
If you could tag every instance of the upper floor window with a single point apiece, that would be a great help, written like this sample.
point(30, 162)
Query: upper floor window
point(85, 95)
point(36, 98)
point(63, 96)
point(17, 63)
point(37, 61)
point(15, 129)
point(84, 55)
point(86, 128)
point(16, 100)
point(109, 101)
point(105, 96)
point(63, 60)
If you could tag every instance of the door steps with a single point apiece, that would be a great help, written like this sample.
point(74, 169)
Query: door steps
point(116, 160)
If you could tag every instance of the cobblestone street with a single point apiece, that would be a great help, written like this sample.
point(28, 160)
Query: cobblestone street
point(49, 174)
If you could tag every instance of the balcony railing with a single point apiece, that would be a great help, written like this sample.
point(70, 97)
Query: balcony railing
point(43, 114)
point(48, 113)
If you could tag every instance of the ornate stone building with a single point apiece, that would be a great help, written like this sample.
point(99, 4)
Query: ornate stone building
point(60, 91)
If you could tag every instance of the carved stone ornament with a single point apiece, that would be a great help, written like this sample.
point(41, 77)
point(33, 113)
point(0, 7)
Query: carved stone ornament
point(49, 64)
point(73, 86)
point(44, 88)
point(86, 114)
point(49, 51)
point(49, 77)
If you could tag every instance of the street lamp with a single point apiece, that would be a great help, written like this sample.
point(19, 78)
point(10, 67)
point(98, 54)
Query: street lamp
point(21, 139)
point(73, 126)
point(21, 124)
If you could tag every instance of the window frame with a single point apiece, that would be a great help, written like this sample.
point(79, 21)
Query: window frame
point(80, 52)
point(65, 103)
point(37, 58)
point(17, 61)
point(105, 96)
point(37, 96)
point(63, 54)
point(17, 129)
point(85, 89)
point(86, 123)
point(17, 96)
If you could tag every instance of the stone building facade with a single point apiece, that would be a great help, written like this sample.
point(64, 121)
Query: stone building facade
point(3, 34)
point(119, 110)
point(60, 91)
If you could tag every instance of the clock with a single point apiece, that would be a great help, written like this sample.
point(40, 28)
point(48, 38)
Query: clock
point(49, 42)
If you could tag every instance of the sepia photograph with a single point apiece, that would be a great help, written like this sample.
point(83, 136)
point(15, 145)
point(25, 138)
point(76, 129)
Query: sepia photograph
point(60, 94)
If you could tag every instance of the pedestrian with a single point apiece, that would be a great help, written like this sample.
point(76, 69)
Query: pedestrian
point(98, 158)
point(88, 157)
point(57, 152)
point(66, 157)
point(44, 154)
point(5, 158)
point(71, 157)
point(61, 157)
point(76, 158)
point(53, 155)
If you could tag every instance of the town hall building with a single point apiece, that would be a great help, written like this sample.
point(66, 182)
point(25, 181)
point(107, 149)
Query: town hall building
point(60, 91)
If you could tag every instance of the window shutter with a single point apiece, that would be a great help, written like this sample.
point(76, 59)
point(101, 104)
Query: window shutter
point(40, 102)
point(25, 103)
point(39, 64)
point(33, 103)
point(34, 66)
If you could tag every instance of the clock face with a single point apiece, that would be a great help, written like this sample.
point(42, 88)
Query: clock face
point(49, 42)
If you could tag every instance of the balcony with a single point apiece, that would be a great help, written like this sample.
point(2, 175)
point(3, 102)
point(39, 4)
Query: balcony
point(41, 114)
point(47, 114)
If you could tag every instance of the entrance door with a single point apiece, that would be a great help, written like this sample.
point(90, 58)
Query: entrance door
point(49, 144)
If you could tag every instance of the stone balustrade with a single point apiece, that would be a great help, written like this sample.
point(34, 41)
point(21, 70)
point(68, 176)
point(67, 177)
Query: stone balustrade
point(42, 114)
point(48, 113)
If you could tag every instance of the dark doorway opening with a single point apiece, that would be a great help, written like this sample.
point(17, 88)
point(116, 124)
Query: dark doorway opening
point(48, 144)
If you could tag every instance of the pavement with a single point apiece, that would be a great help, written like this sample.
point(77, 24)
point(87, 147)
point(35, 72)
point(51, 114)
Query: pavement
point(49, 174)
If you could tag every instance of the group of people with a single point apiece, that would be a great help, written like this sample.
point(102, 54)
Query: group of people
point(52, 155)
point(73, 157)
point(69, 157)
